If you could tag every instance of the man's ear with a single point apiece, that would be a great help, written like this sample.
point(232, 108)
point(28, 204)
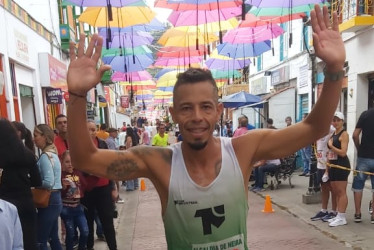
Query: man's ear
point(219, 110)
point(171, 111)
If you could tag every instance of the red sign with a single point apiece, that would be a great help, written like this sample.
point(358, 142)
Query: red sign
point(125, 101)
point(107, 93)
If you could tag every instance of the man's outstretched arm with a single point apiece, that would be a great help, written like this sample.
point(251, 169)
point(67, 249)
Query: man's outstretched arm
point(82, 76)
point(328, 46)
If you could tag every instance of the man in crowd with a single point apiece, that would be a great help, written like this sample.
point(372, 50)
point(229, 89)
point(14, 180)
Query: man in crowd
point(194, 215)
point(11, 236)
point(365, 158)
point(161, 138)
point(61, 139)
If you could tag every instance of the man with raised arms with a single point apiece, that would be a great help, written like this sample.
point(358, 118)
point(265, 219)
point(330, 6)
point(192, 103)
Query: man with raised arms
point(202, 182)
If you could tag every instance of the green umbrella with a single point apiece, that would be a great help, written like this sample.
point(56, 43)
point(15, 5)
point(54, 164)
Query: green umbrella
point(223, 74)
point(139, 50)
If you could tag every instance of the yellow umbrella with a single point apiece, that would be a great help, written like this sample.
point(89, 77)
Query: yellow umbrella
point(122, 17)
point(139, 83)
point(211, 27)
point(162, 94)
point(168, 79)
point(180, 38)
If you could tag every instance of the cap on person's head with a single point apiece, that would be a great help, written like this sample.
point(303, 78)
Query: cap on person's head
point(340, 115)
point(110, 130)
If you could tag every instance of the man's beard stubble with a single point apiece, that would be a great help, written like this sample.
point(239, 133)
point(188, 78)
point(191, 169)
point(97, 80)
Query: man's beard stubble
point(197, 145)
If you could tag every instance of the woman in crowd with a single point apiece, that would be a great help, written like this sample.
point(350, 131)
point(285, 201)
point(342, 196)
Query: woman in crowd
point(25, 135)
point(50, 171)
point(131, 141)
point(337, 155)
point(18, 173)
point(72, 214)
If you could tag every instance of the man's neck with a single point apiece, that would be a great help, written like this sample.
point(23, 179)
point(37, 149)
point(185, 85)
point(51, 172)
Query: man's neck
point(63, 135)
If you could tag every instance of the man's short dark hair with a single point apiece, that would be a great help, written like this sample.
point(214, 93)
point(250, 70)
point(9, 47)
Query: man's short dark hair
point(269, 121)
point(195, 75)
point(58, 117)
point(103, 126)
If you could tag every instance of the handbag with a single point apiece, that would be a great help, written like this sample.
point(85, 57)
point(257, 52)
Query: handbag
point(41, 196)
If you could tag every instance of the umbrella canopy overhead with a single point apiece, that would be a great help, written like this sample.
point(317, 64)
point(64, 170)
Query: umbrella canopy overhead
point(222, 74)
point(227, 64)
point(240, 99)
point(243, 50)
point(134, 76)
point(121, 17)
point(211, 27)
point(131, 63)
point(197, 17)
point(103, 3)
point(177, 61)
point(140, 50)
point(181, 6)
point(178, 38)
point(282, 11)
point(253, 34)
point(197, 2)
point(253, 21)
point(282, 3)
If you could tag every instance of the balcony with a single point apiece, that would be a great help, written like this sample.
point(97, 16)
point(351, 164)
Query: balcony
point(235, 88)
point(67, 34)
point(354, 15)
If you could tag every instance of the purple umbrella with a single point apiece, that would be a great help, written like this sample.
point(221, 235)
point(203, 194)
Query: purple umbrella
point(222, 64)
point(134, 76)
point(253, 34)
point(282, 3)
point(180, 61)
point(197, 17)
point(127, 40)
point(197, 1)
point(128, 64)
point(243, 50)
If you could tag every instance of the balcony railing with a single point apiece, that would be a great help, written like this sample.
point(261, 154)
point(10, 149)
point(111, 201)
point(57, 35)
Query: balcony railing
point(353, 14)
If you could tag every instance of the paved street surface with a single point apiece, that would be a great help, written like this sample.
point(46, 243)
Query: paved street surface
point(140, 226)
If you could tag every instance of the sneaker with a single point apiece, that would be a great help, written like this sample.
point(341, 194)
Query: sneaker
point(101, 237)
point(338, 222)
point(370, 207)
point(319, 216)
point(328, 217)
point(358, 218)
point(120, 201)
point(258, 189)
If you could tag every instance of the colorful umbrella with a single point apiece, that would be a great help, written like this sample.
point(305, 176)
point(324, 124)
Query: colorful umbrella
point(253, 34)
point(243, 50)
point(239, 99)
point(162, 72)
point(197, 2)
point(132, 63)
point(180, 61)
point(134, 76)
point(140, 50)
point(222, 74)
point(253, 21)
point(107, 3)
point(174, 37)
point(121, 17)
point(198, 17)
point(130, 37)
point(168, 79)
point(181, 6)
point(282, 3)
point(226, 63)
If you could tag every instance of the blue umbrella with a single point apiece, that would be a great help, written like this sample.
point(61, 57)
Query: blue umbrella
point(243, 50)
point(162, 72)
point(240, 99)
point(130, 63)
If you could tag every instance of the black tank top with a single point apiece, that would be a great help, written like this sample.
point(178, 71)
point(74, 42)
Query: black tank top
point(342, 161)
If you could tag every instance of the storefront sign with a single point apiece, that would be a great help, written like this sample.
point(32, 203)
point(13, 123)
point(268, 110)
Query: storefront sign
point(107, 93)
point(280, 75)
point(258, 86)
point(54, 96)
point(22, 46)
point(52, 72)
point(125, 101)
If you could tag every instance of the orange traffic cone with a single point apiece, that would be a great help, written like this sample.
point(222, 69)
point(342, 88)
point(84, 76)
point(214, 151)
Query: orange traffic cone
point(268, 208)
point(142, 185)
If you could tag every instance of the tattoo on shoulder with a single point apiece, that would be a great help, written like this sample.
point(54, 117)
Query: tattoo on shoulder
point(145, 151)
point(166, 154)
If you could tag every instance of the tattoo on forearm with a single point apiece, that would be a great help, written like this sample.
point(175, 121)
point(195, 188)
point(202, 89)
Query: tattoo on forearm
point(218, 166)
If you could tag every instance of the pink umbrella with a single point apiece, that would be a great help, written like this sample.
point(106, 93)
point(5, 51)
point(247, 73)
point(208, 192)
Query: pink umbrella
point(254, 21)
point(181, 53)
point(133, 76)
point(185, 6)
point(197, 16)
point(253, 34)
point(181, 61)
